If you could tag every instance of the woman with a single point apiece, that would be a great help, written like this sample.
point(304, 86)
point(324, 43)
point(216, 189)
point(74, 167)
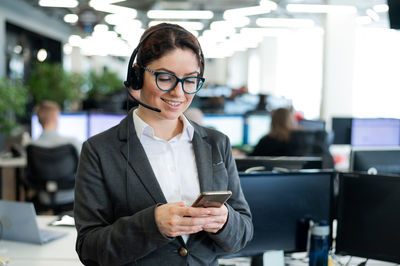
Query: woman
point(136, 182)
point(277, 141)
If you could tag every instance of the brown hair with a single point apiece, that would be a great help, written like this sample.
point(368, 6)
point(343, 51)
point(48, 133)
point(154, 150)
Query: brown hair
point(46, 110)
point(282, 123)
point(167, 38)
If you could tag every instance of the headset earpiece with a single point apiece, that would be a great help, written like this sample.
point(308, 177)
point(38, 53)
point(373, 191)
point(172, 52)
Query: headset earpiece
point(136, 78)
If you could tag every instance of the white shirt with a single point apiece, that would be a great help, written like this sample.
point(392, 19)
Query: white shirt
point(173, 162)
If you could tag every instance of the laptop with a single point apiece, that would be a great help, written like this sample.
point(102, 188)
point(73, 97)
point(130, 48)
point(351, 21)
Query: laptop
point(18, 223)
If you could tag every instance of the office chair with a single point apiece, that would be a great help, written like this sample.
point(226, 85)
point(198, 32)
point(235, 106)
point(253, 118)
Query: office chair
point(311, 143)
point(49, 172)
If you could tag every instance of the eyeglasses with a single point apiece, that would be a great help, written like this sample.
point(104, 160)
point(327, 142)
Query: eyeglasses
point(167, 82)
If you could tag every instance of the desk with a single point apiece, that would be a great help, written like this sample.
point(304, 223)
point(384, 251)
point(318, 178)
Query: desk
point(60, 252)
point(17, 164)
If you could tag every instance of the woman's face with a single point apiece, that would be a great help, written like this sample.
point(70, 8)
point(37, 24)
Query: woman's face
point(181, 63)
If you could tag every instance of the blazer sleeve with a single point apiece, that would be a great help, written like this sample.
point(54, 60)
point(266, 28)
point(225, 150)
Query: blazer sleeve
point(102, 238)
point(238, 230)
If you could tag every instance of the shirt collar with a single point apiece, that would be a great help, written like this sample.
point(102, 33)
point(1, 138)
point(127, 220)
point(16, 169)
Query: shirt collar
point(142, 128)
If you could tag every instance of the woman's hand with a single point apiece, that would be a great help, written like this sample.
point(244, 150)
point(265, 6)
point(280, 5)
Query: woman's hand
point(176, 219)
point(220, 216)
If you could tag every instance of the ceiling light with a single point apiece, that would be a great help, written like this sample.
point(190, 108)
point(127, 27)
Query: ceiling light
point(101, 28)
point(381, 8)
point(41, 55)
point(300, 8)
point(189, 25)
point(116, 19)
point(59, 3)
point(180, 14)
point(71, 18)
point(17, 49)
point(104, 7)
point(265, 8)
point(238, 22)
point(372, 14)
point(284, 22)
point(74, 40)
point(265, 31)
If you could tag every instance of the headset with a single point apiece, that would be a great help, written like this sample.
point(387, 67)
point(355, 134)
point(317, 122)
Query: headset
point(134, 78)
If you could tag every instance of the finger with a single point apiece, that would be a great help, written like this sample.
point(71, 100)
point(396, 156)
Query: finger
point(184, 230)
point(191, 211)
point(196, 221)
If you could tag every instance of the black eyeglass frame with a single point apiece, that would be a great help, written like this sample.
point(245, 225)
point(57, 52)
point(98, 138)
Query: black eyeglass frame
point(156, 74)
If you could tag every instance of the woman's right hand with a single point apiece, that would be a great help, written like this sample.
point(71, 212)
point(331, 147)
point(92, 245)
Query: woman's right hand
point(176, 219)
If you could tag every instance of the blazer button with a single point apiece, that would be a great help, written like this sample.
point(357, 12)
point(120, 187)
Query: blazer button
point(183, 252)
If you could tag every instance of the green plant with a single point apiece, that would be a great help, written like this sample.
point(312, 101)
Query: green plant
point(103, 85)
point(51, 82)
point(13, 99)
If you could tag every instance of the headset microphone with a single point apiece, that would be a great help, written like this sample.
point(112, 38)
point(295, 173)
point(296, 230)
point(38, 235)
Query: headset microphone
point(139, 102)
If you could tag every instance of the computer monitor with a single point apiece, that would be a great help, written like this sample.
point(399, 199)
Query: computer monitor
point(341, 127)
point(375, 132)
point(230, 125)
point(270, 163)
point(69, 125)
point(312, 124)
point(99, 122)
point(282, 204)
point(382, 160)
point(368, 216)
point(257, 126)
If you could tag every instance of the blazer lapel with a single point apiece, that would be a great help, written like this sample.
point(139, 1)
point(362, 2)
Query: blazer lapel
point(203, 154)
point(138, 161)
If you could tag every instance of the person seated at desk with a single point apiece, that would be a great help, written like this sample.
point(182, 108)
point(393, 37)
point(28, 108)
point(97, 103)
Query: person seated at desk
point(48, 113)
point(277, 141)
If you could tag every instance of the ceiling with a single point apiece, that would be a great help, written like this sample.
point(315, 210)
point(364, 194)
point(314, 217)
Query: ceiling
point(127, 39)
point(217, 6)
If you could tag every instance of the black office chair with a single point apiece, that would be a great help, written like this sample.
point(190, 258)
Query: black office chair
point(50, 171)
point(311, 143)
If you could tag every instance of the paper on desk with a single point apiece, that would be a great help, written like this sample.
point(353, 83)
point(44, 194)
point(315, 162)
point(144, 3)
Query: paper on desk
point(64, 220)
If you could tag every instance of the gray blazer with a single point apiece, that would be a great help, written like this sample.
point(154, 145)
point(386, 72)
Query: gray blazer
point(116, 193)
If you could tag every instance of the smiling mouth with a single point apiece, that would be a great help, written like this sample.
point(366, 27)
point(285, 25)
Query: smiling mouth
point(172, 102)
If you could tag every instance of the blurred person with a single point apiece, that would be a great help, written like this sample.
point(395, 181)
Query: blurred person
point(277, 141)
point(136, 182)
point(48, 113)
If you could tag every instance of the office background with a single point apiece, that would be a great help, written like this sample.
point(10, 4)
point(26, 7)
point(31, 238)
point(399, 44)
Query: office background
point(337, 63)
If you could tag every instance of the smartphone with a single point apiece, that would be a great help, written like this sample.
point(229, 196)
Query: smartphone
point(212, 199)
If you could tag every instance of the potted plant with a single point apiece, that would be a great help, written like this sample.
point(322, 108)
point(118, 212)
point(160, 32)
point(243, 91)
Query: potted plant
point(104, 91)
point(51, 82)
point(13, 99)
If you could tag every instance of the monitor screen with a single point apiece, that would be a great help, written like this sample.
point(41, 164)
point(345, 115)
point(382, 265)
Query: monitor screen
point(281, 205)
point(341, 127)
point(69, 125)
point(257, 126)
point(375, 161)
point(312, 124)
point(230, 125)
point(375, 132)
point(99, 122)
point(369, 217)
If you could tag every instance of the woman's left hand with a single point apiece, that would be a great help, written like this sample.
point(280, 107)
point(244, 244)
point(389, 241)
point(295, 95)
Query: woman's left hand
point(220, 216)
